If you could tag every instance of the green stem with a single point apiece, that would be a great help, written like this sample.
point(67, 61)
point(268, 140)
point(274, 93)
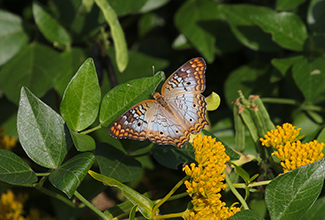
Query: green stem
point(92, 129)
point(91, 206)
point(235, 192)
point(280, 101)
point(154, 211)
point(57, 196)
point(243, 185)
point(167, 216)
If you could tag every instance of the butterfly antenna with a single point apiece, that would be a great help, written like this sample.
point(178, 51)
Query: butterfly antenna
point(153, 80)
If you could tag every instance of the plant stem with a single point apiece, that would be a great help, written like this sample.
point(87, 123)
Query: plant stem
point(92, 129)
point(243, 185)
point(57, 196)
point(167, 216)
point(91, 206)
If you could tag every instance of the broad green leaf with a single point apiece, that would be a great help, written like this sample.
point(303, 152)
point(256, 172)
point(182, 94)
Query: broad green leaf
point(50, 28)
point(247, 215)
point(315, 16)
point(82, 142)
point(232, 154)
point(122, 97)
point(317, 211)
point(36, 66)
point(42, 132)
point(282, 5)
point(145, 205)
point(194, 19)
point(68, 177)
point(171, 156)
point(309, 76)
point(71, 62)
point(117, 34)
point(290, 195)
point(81, 99)
point(116, 164)
point(12, 35)
point(14, 170)
point(284, 64)
point(286, 28)
point(213, 101)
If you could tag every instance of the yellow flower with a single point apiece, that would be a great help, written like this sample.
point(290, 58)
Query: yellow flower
point(6, 142)
point(293, 155)
point(281, 135)
point(11, 208)
point(207, 180)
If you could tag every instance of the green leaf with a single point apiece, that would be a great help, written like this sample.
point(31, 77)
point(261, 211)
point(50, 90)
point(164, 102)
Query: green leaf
point(247, 215)
point(50, 28)
point(309, 76)
point(122, 97)
point(286, 28)
point(14, 170)
point(36, 66)
point(117, 34)
point(42, 132)
point(171, 156)
point(290, 195)
point(317, 211)
point(193, 20)
point(232, 154)
point(82, 142)
point(145, 205)
point(12, 35)
point(284, 64)
point(213, 101)
point(123, 7)
point(284, 5)
point(68, 177)
point(81, 99)
point(242, 173)
point(116, 164)
point(71, 61)
point(315, 16)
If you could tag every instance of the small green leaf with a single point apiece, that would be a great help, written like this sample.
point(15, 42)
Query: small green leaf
point(310, 77)
point(213, 101)
point(290, 195)
point(124, 7)
point(117, 34)
point(50, 28)
point(145, 205)
point(14, 170)
point(82, 142)
point(241, 172)
point(36, 66)
point(81, 99)
point(284, 64)
point(122, 97)
point(68, 177)
point(171, 156)
point(284, 5)
point(42, 132)
point(247, 215)
point(12, 35)
point(116, 164)
point(193, 20)
point(133, 212)
point(315, 19)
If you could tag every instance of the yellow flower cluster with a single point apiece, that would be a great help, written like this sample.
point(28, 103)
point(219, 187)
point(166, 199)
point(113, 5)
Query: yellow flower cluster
point(290, 151)
point(11, 208)
point(6, 142)
point(207, 180)
point(280, 135)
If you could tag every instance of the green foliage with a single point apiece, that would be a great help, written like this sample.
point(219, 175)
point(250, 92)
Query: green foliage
point(69, 68)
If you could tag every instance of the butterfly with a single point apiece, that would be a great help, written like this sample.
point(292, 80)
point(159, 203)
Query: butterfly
point(171, 116)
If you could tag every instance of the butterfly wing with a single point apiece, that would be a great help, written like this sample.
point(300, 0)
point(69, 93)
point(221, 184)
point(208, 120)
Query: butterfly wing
point(189, 78)
point(166, 129)
point(134, 122)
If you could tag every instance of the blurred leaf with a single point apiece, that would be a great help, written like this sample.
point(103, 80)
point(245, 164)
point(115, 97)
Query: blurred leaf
point(116, 164)
point(117, 34)
point(42, 132)
point(145, 205)
point(247, 215)
point(284, 64)
point(290, 195)
point(36, 66)
point(124, 7)
point(83, 142)
point(14, 170)
point(68, 177)
point(81, 99)
point(213, 101)
point(122, 97)
point(12, 35)
point(152, 4)
point(315, 16)
point(50, 28)
point(192, 20)
point(309, 77)
point(171, 156)
point(71, 61)
point(282, 5)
